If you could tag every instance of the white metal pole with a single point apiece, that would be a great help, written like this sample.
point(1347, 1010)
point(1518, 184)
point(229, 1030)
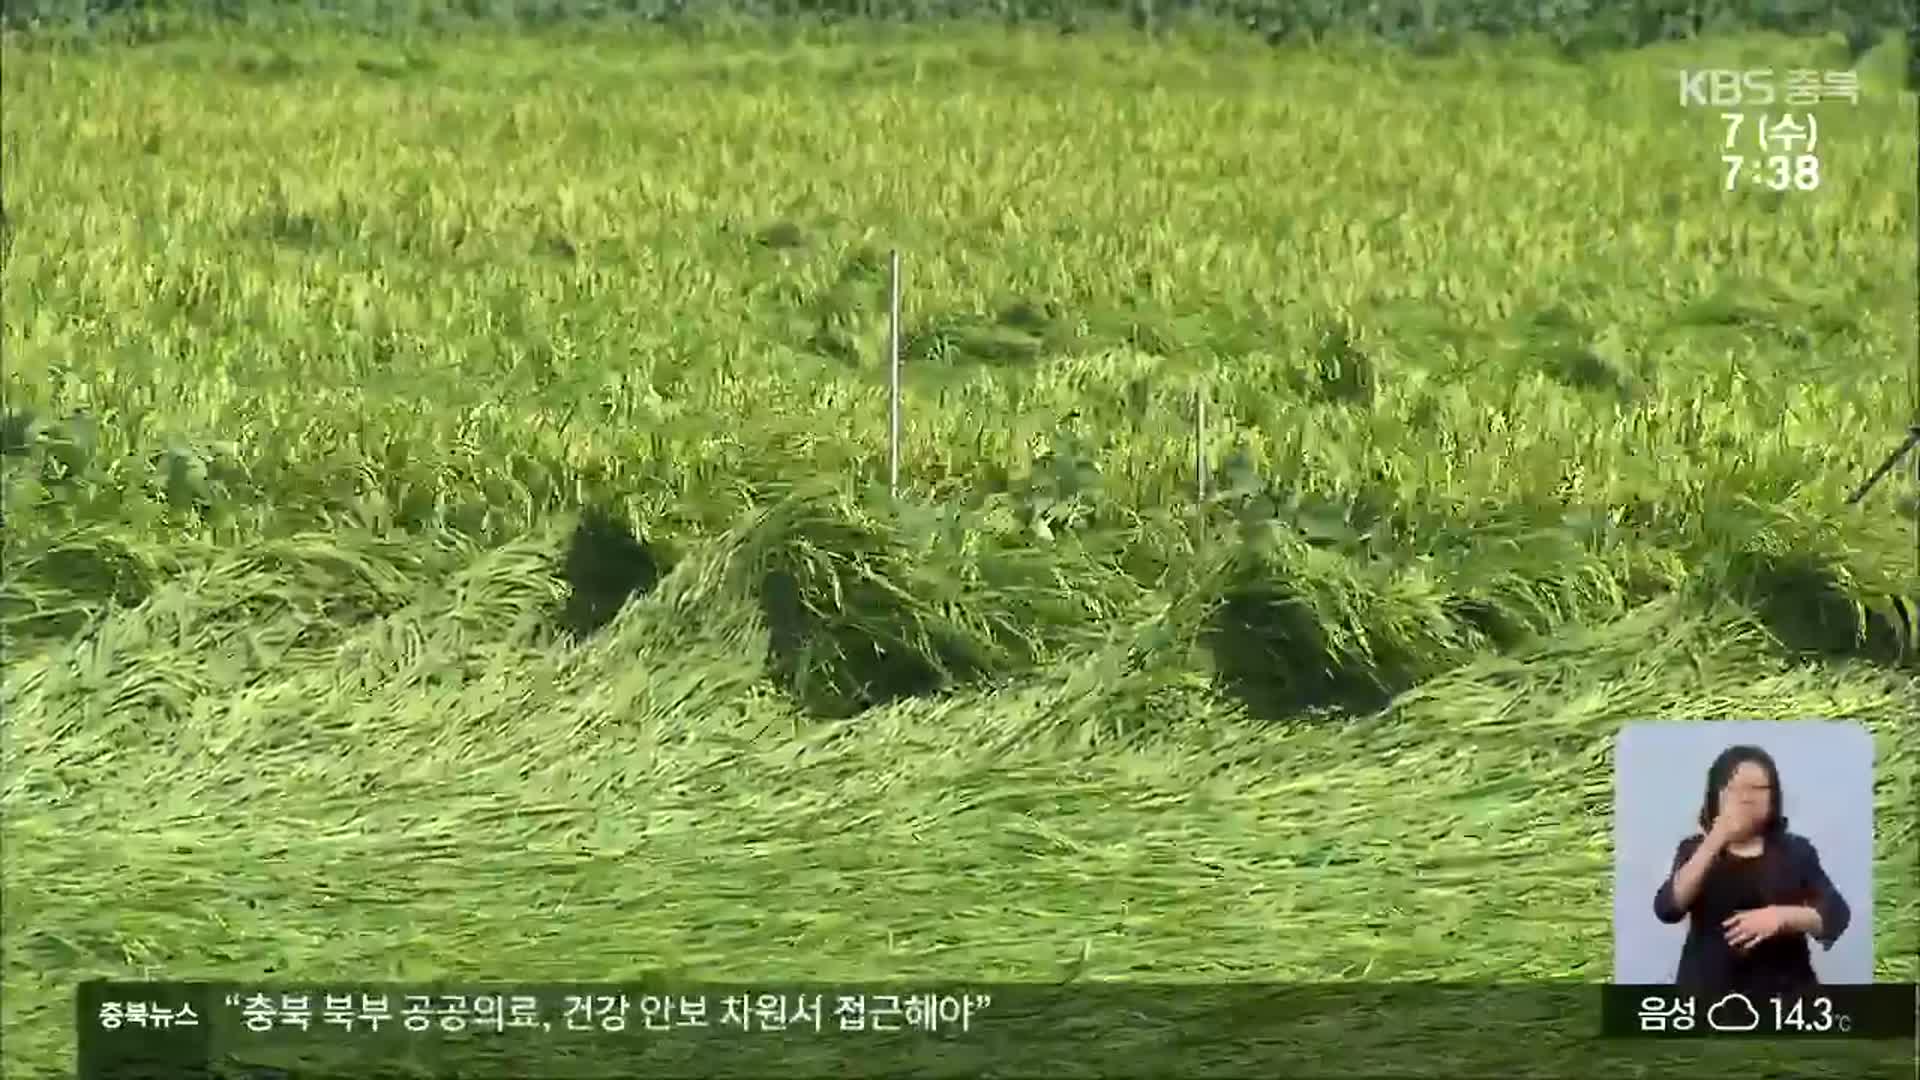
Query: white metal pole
point(893, 376)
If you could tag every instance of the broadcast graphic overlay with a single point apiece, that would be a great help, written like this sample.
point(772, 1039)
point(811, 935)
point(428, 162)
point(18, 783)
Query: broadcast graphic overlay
point(1769, 126)
point(1666, 774)
point(719, 1032)
point(1830, 1012)
point(1743, 885)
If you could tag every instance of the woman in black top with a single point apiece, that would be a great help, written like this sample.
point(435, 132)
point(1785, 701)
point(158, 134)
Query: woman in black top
point(1752, 891)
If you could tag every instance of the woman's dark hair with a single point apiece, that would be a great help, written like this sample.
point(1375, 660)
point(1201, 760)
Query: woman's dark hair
point(1722, 770)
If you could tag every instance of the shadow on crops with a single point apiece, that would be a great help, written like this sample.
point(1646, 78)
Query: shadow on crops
point(834, 669)
point(277, 66)
point(841, 312)
point(1500, 628)
point(383, 68)
point(1342, 369)
point(1812, 612)
point(1272, 654)
point(606, 565)
point(780, 236)
point(850, 317)
point(53, 594)
point(307, 229)
point(1581, 367)
point(551, 243)
point(1020, 333)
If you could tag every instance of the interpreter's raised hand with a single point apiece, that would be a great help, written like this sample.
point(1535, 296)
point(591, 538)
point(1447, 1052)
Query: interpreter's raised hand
point(1733, 822)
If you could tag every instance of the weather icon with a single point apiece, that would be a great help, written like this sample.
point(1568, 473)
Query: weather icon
point(1733, 1013)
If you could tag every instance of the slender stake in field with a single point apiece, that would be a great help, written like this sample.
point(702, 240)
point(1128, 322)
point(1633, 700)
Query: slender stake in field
point(893, 375)
point(1200, 444)
point(1893, 459)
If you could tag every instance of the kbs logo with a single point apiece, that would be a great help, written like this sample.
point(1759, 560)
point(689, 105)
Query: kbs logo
point(1726, 89)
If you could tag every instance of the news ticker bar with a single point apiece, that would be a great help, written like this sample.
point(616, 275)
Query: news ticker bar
point(1882, 1011)
point(207, 1029)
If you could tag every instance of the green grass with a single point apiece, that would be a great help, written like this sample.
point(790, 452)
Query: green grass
point(1525, 429)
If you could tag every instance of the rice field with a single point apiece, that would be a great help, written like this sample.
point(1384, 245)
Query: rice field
point(447, 528)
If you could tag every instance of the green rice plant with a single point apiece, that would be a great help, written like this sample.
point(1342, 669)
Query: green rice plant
point(447, 527)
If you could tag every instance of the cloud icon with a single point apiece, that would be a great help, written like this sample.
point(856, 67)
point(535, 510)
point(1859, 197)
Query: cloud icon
point(1733, 1013)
